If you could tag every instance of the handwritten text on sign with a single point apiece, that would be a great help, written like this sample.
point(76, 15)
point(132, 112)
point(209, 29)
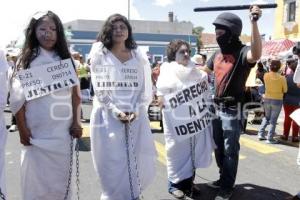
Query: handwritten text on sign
point(188, 111)
point(109, 77)
point(45, 79)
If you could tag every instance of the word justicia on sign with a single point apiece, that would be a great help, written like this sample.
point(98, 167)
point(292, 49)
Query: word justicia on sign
point(49, 88)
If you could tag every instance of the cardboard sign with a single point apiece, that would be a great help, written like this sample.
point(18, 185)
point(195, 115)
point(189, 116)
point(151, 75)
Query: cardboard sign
point(189, 111)
point(110, 77)
point(45, 79)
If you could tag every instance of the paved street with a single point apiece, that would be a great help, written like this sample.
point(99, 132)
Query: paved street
point(265, 171)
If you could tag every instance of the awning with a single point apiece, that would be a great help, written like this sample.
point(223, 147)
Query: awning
point(274, 47)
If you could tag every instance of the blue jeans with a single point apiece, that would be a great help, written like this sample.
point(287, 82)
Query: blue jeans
point(226, 131)
point(184, 185)
point(272, 110)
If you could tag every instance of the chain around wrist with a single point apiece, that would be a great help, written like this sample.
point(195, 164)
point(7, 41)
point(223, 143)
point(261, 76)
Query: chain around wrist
point(76, 128)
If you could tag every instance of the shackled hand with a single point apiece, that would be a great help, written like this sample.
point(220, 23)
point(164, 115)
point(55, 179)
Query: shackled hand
point(127, 117)
point(76, 131)
point(255, 13)
point(131, 116)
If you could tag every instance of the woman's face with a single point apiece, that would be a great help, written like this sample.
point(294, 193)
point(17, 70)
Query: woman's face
point(46, 33)
point(182, 56)
point(119, 32)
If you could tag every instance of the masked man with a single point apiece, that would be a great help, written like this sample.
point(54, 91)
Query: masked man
point(231, 65)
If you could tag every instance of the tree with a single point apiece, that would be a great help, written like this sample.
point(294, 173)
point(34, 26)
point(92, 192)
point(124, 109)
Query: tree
point(197, 31)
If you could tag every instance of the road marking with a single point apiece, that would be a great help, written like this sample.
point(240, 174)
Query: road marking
point(162, 158)
point(86, 131)
point(257, 146)
point(161, 152)
point(279, 127)
point(161, 149)
point(261, 148)
point(155, 125)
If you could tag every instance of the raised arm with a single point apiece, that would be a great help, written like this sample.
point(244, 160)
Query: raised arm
point(256, 46)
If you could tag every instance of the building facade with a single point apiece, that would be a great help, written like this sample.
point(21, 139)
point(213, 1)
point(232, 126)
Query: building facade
point(287, 18)
point(151, 36)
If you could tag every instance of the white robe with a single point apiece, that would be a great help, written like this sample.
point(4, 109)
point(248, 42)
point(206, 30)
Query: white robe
point(3, 133)
point(108, 134)
point(175, 77)
point(45, 164)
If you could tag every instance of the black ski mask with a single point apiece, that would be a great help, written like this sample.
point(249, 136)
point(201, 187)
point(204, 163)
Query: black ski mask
point(228, 42)
point(224, 40)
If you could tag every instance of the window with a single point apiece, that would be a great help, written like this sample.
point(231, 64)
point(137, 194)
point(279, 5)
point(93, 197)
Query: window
point(291, 16)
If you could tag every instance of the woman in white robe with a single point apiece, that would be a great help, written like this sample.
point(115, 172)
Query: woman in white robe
point(183, 157)
point(45, 123)
point(125, 162)
point(3, 133)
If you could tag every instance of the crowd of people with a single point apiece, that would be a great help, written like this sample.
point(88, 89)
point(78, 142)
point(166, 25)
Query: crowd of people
point(118, 76)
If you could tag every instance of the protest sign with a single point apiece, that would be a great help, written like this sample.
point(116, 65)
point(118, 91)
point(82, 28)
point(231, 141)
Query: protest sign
point(188, 111)
point(45, 79)
point(110, 77)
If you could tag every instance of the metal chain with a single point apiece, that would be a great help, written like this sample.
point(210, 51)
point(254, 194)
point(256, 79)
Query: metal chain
point(77, 169)
point(71, 168)
point(128, 160)
point(192, 149)
point(136, 164)
point(2, 196)
point(193, 152)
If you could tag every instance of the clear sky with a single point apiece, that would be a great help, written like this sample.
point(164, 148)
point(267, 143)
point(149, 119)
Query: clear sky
point(15, 14)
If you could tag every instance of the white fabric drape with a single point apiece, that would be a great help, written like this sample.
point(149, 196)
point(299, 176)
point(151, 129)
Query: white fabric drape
point(297, 80)
point(174, 77)
point(45, 164)
point(3, 133)
point(297, 73)
point(108, 142)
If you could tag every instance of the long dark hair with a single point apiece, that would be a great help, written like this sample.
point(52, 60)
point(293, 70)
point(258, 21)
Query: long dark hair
point(173, 47)
point(107, 31)
point(30, 49)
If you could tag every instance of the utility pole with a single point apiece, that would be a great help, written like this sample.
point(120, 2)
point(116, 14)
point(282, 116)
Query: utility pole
point(128, 10)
